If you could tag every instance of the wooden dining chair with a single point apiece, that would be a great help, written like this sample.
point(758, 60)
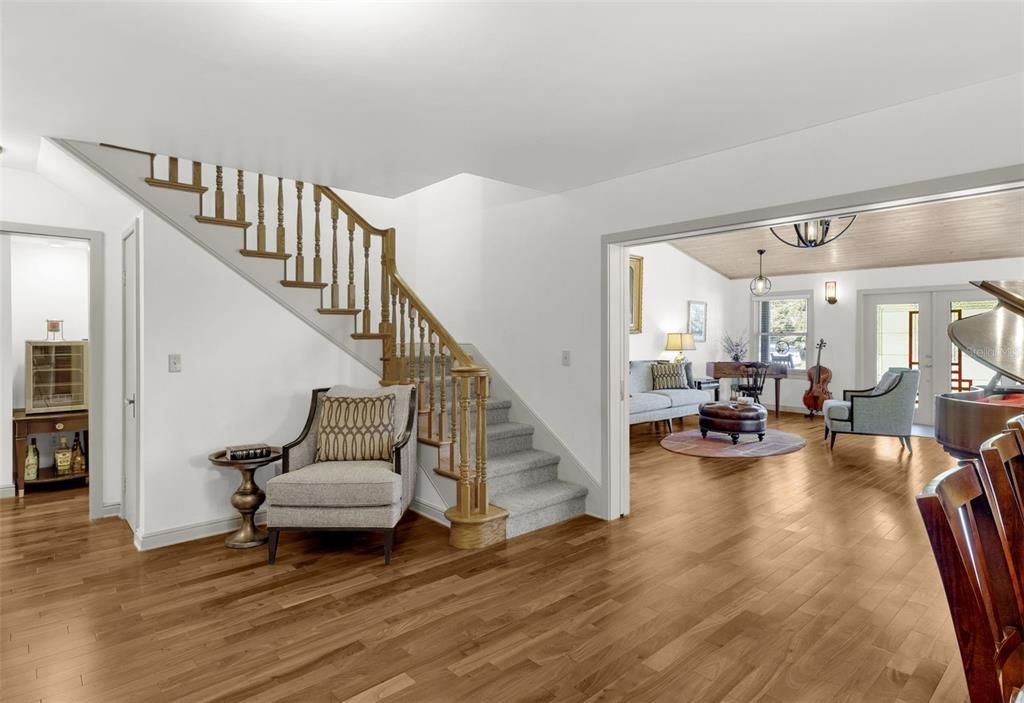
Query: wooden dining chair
point(983, 596)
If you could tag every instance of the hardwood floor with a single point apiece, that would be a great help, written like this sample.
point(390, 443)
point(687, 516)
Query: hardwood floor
point(804, 577)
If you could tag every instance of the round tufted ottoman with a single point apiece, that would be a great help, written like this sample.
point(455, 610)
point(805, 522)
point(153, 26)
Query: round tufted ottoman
point(733, 419)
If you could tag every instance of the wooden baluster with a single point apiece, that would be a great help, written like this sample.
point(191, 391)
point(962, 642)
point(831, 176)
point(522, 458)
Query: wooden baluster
point(394, 316)
point(385, 321)
point(334, 255)
point(218, 195)
point(403, 362)
point(366, 281)
point(464, 493)
point(261, 226)
point(152, 164)
point(423, 347)
point(481, 444)
point(443, 382)
point(280, 220)
point(172, 169)
point(452, 434)
point(351, 293)
point(197, 173)
point(412, 343)
point(432, 400)
point(240, 198)
point(317, 265)
point(300, 262)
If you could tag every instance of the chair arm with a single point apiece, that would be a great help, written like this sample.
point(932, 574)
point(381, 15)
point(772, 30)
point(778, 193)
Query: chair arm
point(403, 439)
point(863, 392)
point(292, 447)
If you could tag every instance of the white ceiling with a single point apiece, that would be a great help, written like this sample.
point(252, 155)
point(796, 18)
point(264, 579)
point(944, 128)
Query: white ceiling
point(389, 97)
point(963, 229)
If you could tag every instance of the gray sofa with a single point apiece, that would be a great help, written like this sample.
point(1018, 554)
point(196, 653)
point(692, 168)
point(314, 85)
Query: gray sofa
point(649, 405)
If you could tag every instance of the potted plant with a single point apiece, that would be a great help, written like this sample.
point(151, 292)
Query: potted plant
point(735, 348)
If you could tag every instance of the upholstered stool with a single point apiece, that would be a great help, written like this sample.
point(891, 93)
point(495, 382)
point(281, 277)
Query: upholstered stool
point(733, 419)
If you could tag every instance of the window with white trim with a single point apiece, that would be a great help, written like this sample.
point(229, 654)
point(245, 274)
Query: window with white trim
point(782, 326)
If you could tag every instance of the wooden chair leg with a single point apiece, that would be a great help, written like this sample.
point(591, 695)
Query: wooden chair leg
point(273, 535)
point(826, 431)
point(389, 543)
point(833, 442)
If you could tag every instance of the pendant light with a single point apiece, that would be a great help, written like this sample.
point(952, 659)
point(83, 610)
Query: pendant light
point(815, 233)
point(761, 284)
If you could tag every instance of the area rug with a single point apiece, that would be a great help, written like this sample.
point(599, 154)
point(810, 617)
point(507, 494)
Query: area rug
point(720, 446)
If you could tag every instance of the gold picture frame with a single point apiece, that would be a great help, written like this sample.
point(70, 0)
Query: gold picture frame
point(636, 294)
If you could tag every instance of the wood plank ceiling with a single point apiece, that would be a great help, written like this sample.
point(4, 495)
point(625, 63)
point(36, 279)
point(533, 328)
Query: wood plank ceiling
point(966, 229)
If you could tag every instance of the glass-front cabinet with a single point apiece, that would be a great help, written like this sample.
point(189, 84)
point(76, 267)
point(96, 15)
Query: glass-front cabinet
point(56, 376)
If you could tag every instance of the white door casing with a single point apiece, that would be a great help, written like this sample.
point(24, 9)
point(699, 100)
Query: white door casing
point(130, 414)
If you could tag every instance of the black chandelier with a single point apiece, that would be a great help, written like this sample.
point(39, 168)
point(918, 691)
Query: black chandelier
point(761, 284)
point(815, 233)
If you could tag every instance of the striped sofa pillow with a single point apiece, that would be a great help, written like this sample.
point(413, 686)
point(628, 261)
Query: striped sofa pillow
point(355, 429)
point(668, 375)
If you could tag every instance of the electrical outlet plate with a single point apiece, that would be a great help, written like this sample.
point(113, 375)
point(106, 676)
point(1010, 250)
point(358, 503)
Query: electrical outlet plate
point(174, 363)
point(566, 358)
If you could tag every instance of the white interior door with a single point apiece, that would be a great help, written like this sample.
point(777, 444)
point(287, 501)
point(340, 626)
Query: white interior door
point(130, 423)
point(898, 333)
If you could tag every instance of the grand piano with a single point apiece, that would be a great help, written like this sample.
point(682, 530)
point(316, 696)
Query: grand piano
point(734, 369)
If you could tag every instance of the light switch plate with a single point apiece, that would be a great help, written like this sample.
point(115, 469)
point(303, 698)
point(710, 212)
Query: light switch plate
point(174, 363)
point(566, 358)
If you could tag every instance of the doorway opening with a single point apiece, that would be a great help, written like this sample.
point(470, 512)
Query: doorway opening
point(51, 363)
point(889, 243)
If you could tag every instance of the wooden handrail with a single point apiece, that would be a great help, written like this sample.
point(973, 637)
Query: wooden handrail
point(350, 211)
point(446, 339)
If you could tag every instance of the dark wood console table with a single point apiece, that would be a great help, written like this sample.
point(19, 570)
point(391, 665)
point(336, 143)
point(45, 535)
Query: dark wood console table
point(733, 369)
point(46, 423)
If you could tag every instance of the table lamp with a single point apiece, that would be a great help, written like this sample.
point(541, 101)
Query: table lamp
point(679, 342)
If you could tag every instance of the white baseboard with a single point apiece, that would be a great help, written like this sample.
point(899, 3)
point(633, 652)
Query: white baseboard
point(111, 510)
point(7, 491)
point(431, 512)
point(187, 533)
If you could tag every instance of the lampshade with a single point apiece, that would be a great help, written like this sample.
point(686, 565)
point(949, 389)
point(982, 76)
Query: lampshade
point(679, 341)
point(831, 293)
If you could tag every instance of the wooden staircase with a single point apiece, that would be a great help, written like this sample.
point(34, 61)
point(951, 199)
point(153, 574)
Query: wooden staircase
point(415, 347)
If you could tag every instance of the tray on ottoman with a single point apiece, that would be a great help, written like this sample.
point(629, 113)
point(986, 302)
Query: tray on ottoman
point(733, 419)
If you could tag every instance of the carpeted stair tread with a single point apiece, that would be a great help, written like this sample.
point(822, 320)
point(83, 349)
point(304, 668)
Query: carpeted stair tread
point(538, 497)
point(520, 461)
point(506, 429)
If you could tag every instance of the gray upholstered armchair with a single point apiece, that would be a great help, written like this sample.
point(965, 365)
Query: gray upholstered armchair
point(886, 410)
point(352, 496)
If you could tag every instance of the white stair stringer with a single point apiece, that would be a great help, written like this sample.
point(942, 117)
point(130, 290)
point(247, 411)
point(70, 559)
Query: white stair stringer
point(127, 170)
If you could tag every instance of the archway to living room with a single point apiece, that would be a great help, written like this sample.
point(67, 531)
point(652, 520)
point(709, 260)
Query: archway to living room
point(690, 293)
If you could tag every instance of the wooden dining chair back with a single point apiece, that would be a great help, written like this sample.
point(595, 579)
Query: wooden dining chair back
point(981, 590)
point(752, 382)
point(1001, 471)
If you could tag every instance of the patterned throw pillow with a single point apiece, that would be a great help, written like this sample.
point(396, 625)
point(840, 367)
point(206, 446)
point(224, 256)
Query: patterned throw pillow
point(355, 429)
point(666, 376)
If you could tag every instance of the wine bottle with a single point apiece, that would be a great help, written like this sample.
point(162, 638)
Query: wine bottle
point(62, 457)
point(77, 456)
point(32, 461)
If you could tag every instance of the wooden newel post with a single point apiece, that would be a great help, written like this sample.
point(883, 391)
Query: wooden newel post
point(464, 496)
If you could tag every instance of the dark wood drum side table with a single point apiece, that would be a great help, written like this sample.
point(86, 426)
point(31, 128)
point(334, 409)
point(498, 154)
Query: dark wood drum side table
point(248, 498)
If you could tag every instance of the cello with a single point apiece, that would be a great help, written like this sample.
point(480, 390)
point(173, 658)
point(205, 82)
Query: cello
point(819, 376)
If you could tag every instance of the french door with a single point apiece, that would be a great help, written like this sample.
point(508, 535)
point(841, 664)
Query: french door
point(898, 333)
point(910, 329)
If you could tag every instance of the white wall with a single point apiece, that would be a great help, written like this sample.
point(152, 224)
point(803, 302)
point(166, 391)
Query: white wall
point(837, 324)
point(541, 292)
point(671, 278)
point(49, 281)
point(6, 373)
point(248, 366)
point(27, 197)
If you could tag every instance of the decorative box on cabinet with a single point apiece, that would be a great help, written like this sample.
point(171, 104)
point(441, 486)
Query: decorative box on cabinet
point(56, 376)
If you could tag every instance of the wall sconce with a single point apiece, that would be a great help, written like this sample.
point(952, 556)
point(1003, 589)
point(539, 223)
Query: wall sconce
point(831, 296)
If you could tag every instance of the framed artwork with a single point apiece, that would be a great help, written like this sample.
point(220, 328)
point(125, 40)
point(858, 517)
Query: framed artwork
point(697, 319)
point(636, 294)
